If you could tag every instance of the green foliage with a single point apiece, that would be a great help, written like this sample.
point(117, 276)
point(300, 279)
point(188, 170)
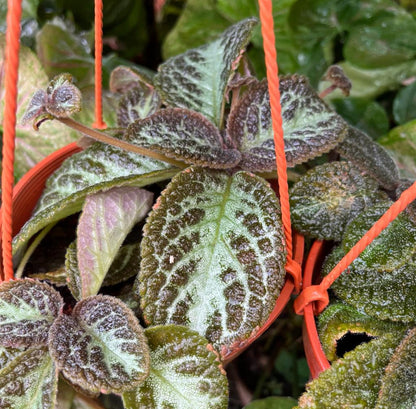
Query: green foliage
point(272, 403)
point(404, 104)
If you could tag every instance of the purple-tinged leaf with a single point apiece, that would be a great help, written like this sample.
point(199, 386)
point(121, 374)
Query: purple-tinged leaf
point(106, 219)
point(27, 310)
point(124, 78)
point(101, 347)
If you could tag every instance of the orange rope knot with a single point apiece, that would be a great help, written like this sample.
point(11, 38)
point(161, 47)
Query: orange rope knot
point(316, 294)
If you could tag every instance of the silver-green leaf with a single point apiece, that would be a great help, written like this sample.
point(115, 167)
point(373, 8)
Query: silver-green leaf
point(185, 373)
point(213, 255)
point(101, 347)
point(197, 79)
point(27, 310)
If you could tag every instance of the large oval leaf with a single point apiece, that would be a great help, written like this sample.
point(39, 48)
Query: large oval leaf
point(310, 128)
point(213, 255)
point(197, 79)
point(185, 373)
point(27, 310)
point(29, 381)
point(184, 135)
point(97, 168)
point(101, 347)
point(327, 197)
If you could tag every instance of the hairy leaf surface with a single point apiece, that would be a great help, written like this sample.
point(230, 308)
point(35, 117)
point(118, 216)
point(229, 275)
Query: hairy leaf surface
point(185, 373)
point(197, 79)
point(184, 135)
point(101, 347)
point(213, 255)
point(97, 168)
point(328, 196)
point(398, 388)
point(352, 381)
point(29, 381)
point(106, 219)
point(27, 310)
point(310, 128)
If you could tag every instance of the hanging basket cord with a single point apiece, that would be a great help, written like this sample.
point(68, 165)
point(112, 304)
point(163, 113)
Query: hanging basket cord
point(14, 12)
point(267, 30)
point(98, 52)
point(318, 294)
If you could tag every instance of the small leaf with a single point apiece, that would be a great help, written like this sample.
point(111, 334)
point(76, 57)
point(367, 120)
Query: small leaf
point(398, 388)
point(97, 168)
point(185, 373)
point(29, 381)
point(184, 135)
point(36, 106)
point(352, 381)
point(273, 402)
point(138, 103)
point(404, 104)
point(328, 196)
point(213, 255)
point(370, 157)
point(197, 79)
point(310, 128)
point(101, 346)
point(124, 78)
point(106, 219)
point(27, 310)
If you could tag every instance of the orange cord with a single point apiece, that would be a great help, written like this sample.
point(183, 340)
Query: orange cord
point(98, 33)
point(267, 30)
point(318, 293)
point(14, 12)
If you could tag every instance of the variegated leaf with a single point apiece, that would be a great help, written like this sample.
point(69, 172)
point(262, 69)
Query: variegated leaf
point(310, 128)
point(97, 168)
point(27, 310)
point(398, 388)
point(138, 103)
point(185, 373)
point(213, 255)
point(184, 135)
point(29, 381)
point(328, 196)
point(101, 347)
point(106, 219)
point(197, 79)
point(124, 78)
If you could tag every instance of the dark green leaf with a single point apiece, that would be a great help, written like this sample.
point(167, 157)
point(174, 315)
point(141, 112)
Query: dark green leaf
point(352, 381)
point(213, 255)
point(27, 310)
point(101, 346)
point(124, 78)
point(197, 79)
point(273, 402)
point(184, 135)
point(185, 373)
point(310, 128)
point(369, 157)
point(98, 167)
point(328, 196)
point(29, 381)
point(398, 388)
point(404, 104)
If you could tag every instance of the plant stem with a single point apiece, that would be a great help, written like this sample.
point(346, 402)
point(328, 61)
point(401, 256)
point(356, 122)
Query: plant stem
point(109, 140)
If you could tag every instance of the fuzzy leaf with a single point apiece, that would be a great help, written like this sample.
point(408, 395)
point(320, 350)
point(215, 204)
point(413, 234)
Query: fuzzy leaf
point(370, 157)
point(106, 219)
point(137, 103)
point(97, 168)
point(381, 283)
point(185, 373)
point(197, 79)
point(398, 388)
point(352, 381)
point(328, 196)
point(339, 319)
point(29, 381)
point(27, 310)
point(124, 78)
point(213, 255)
point(8, 354)
point(101, 346)
point(310, 128)
point(184, 135)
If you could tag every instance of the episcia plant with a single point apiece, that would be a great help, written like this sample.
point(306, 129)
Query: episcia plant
point(200, 268)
